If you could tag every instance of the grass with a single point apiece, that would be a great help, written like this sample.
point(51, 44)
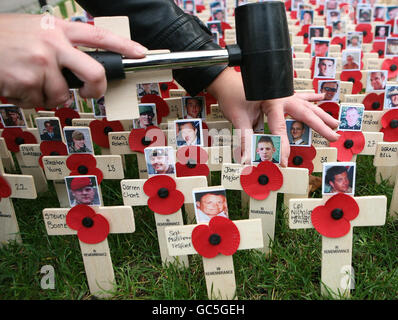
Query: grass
point(292, 271)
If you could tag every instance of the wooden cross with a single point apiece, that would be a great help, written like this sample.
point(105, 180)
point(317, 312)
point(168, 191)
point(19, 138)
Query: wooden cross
point(337, 276)
point(219, 271)
point(22, 187)
point(133, 195)
point(96, 257)
point(295, 180)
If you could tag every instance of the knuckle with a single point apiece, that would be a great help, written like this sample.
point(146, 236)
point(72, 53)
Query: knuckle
point(99, 34)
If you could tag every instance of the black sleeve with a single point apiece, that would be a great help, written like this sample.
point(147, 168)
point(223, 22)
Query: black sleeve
point(160, 24)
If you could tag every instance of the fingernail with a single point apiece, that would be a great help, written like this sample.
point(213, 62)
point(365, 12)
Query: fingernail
point(142, 50)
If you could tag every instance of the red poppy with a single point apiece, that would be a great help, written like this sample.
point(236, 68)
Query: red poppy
point(101, 128)
point(332, 108)
point(392, 66)
point(355, 77)
point(293, 15)
point(305, 33)
point(14, 137)
point(288, 5)
point(200, 8)
point(320, 10)
point(366, 29)
point(221, 236)
point(91, 227)
point(301, 157)
point(66, 115)
point(5, 189)
point(348, 144)
point(164, 198)
point(83, 164)
point(379, 47)
point(374, 101)
point(339, 40)
point(52, 148)
point(152, 136)
point(192, 162)
point(162, 108)
point(259, 181)
point(332, 220)
point(389, 124)
point(165, 88)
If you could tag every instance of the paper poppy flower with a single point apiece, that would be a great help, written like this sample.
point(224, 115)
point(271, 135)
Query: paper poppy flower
point(301, 157)
point(52, 148)
point(366, 29)
point(389, 125)
point(304, 31)
point(192, 162)
point(339, 40)
point(332, 220)
point(152, 136)
point(101, 128)
point(66, 115)
point(3, 100)
point(91, 227)
point(379, 47)
point(5, 189)
point(165, 88)
point(355, 77)
point(391, 65)
point(164, 198)
point(348, 144)
point(14, 137)
point(259, 181)
point(84, 164)
point(221, 236)
point(320, 10)
point(162, 108)
point(331, 108)
point(374, 101)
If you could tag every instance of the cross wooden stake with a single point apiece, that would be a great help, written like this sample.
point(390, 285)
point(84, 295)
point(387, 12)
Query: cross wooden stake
point(22, 187)
point(387, 156)
point(219, 271)
point(295, 180)
point(337, 275)
point(96, 257)
point(133, 195)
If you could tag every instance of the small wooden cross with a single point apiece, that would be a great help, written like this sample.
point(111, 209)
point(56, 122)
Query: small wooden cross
point(219, 271)
point(337, 276)
point(295, 180)
point(96, 257)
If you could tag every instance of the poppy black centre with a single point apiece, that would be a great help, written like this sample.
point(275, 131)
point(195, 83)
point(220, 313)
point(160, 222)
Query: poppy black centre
point(352, 80)
point(68, 121)
point(164, 86)
point(19, 140)
point(146, 141)
point(263, 179)
point(54, 153)
point(88, 222)
point(348, 144)
point(393, 67)
point(305, 35)
point(337, 214)
point(375, 105)
point(380, 52)
point(107, 130)
point(214, 239)
point(82, 169)
point(394, 123)
point(365, 33)
point(297, 160)
point(191, 164)
point(163, 193)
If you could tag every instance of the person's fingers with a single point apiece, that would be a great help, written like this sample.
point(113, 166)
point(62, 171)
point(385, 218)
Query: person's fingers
point(277, 126)
point(310, 96)
point(87, 35)
point(327, 118)
point(87, 69)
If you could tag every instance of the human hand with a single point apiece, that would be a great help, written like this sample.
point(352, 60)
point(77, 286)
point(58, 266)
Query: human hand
point(32, 57)
point(245, 115)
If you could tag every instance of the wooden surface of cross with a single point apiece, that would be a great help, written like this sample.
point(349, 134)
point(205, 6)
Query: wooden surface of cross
point(96, 257)
point(337, 275)
point(295, 180)
point(219, 271)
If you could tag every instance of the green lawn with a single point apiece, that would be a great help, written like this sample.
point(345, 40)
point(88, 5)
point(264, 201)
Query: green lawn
point(291, 272)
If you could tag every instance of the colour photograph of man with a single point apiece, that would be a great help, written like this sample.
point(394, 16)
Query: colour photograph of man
point(298, 133)
point(99, 107)
point(193, 108)
point(376, 80)
point(160, 160)
point(12, 116)
point(391, 97)
point(78, 140)
point(325, 68)
point(331, 89)
point(354, 40)
point(391, 47)
point(382, 31)
point(338, 177)
point(83, 190)
point(266, 148)
point(189, 132)
point(320, 47)
point(351, 117)
point(49, 129)
point(351, 59)
point(210, 204)
point(316, 32)
point(147, 88)
point(147, 116)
